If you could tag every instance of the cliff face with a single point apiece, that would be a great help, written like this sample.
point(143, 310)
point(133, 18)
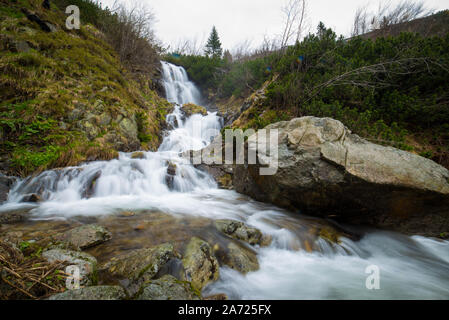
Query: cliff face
point(64, 95)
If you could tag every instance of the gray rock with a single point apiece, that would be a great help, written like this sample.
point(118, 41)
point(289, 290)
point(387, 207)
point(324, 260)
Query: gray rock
point(167, 288)
point(86, 263)
point(86, 236)
point(324, 170)
point(201, 266)
point(92, 293)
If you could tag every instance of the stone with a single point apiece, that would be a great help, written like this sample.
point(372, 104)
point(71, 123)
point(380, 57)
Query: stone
point(141, 263)
point(32, 197)
point(14, 216)
point(168, 288)
point(241, 259)
point(190, 109)
point(86, 236)
point(138, 155)
point(92, 293)
point(86, 263)
point(5, 185)
point(238, 230)
point(200, 265)
point(324, 170)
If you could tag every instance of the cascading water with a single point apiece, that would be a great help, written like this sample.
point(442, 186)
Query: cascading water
point(410, 267)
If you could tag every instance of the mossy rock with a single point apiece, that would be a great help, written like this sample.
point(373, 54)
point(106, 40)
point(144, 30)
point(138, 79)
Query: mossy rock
point(190, 109)
point(168, 288)
point(200, 264)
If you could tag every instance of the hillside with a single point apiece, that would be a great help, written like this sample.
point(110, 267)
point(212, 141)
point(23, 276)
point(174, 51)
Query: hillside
point(433, 25)
point(65, 95)
point(391, 90)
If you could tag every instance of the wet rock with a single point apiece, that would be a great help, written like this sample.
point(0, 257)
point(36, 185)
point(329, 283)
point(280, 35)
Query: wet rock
point(92, 293)
point(191, 109)
point(138, 155)
point(33, 197)
point(142, 264)
point(14, 216)
point(323, 169)
point(238, 230)
point(89, 188)
point(242, 259)
point(86, 263)
point(168, 288)
point(201, 266)
point(5, 185)
point(170, 177)
point(86, 236)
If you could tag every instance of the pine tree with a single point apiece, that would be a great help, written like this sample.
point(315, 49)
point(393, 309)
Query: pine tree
point(213, 47)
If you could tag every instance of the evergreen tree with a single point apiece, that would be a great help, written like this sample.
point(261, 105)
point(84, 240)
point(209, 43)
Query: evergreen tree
point(213, 47)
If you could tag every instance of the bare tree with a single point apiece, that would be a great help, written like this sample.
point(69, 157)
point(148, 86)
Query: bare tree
point(294, 13)
point(131, 34)
point(387, 16)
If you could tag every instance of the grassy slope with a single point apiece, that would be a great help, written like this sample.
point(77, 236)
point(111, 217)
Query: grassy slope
point(62, 101)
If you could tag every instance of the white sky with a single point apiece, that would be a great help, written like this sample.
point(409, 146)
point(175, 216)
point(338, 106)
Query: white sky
point(240, 20)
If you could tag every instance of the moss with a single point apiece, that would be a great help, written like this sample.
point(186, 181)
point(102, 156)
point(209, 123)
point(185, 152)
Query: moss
point(66, 71)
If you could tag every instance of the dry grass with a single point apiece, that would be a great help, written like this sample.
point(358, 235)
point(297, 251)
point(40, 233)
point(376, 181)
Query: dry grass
point(29, 277)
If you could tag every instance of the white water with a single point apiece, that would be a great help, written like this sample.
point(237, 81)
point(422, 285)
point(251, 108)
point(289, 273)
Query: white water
point(410, 267)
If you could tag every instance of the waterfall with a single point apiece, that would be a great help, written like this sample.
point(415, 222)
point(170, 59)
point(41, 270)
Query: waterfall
point(177, 86)
point(410, 267)
point(126, 176)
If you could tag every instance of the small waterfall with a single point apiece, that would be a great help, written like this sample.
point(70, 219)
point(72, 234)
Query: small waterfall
point(178, 88)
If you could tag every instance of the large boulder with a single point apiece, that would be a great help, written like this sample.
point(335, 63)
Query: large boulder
point(325, 170)
point(200, 264)
point(92, 293)
point(168, 288)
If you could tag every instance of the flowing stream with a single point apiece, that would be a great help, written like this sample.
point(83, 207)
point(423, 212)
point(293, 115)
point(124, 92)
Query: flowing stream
point(292, 267)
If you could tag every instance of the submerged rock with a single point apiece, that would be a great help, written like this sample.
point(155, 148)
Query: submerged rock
point(238, 230)
point(14, 216)
point(92, 293)
point(86, 236)
point(201, 266)
point(168, 288)
point(242, 259)
point(323, 169)
point(87, 264)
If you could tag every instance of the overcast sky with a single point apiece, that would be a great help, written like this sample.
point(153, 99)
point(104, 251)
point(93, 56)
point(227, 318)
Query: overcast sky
point(240, 20)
